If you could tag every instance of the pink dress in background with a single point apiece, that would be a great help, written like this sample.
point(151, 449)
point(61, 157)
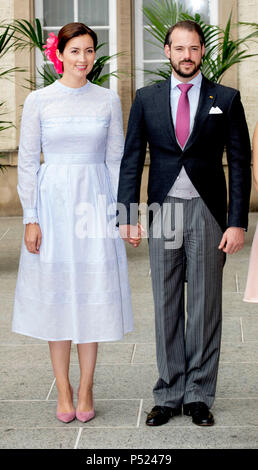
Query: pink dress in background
point(251, 290)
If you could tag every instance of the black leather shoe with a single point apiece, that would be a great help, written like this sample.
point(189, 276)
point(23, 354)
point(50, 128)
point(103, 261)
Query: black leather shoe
point(200, 413)
point(161, 415)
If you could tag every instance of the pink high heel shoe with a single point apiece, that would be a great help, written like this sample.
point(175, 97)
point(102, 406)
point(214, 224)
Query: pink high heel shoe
point(66, 417)
point(84, 416)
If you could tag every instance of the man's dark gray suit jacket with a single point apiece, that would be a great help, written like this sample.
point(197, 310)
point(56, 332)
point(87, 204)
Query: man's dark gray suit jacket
point(151, 121)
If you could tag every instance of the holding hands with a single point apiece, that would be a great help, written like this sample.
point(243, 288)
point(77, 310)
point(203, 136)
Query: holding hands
point(232, 240)
point(132, 233)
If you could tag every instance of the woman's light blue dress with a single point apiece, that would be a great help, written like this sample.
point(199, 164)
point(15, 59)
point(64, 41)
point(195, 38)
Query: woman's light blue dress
point(77, 288)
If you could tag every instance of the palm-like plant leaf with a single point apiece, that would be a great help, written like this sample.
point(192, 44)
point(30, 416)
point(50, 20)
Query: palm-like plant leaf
point(253, 25)
point(10, 71)
point(5, 45)
point(162, 73)
point(211, 33)
point(226, 53)
point(47, 74)
point(28, 34)
point(95, 75)
point(5, 41)
point(161, 15)
point(3, 126)
point(2, 167)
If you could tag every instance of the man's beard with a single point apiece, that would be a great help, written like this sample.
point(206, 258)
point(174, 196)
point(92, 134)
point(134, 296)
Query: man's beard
point(185, 74)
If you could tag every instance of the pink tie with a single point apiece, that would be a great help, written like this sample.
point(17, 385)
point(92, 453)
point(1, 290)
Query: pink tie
point(183, 114)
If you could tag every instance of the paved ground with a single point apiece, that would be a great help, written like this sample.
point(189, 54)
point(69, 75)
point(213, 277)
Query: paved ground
point(126, 372)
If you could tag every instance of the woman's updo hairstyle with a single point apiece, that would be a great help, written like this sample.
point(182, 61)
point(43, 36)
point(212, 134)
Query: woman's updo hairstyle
point(71, 30)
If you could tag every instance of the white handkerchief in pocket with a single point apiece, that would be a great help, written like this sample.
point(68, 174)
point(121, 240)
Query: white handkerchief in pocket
point(216, 110)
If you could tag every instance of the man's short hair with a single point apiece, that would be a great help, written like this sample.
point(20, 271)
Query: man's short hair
point(186, 24)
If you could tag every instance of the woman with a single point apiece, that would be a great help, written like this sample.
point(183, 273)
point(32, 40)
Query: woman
point(72, 283)
point(251, 290)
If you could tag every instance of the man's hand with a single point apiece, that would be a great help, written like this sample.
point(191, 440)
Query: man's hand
point(233, 240)
point(131, 233)
point(32, 238)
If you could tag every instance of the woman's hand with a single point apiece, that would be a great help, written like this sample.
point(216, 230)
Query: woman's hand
point(32, 238)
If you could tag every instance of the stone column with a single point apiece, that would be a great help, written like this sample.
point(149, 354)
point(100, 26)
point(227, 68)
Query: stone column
point(225, 8)
point(248, 73)
point(125, 44)
point(13, 93)
point(243, 76)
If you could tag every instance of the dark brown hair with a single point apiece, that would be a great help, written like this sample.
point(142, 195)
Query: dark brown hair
point(71, 30)
point(186, 24)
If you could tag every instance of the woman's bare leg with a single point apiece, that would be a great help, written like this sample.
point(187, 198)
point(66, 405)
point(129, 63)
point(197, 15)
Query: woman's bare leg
point(87, 353)
point(60, 357)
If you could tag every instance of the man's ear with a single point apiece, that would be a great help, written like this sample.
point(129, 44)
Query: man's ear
point(167, 51)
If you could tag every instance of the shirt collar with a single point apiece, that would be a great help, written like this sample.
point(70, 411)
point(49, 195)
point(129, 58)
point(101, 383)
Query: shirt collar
point(197, 81)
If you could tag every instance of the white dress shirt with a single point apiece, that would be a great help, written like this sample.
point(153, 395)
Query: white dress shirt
point(183, 187)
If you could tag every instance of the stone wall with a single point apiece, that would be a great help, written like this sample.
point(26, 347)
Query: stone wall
point(7, 87)
point(248, 70)
point(248, 74)
point(8, 199)
point(13, 91)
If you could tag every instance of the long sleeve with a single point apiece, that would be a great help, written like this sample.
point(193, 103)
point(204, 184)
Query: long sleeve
point(132, 165)
point(115, 143)
point(29, 158)
point(239, 158)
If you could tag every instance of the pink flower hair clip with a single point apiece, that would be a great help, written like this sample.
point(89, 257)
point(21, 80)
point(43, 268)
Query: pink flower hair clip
point(50, 52)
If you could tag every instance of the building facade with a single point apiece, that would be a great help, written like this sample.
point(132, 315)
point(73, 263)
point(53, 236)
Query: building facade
point(121, 26)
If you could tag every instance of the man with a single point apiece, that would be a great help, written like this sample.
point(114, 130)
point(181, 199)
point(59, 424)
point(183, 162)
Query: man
point(187, 121)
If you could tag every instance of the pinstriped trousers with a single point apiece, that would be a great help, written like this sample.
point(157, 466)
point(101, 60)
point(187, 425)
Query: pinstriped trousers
point(187, 348)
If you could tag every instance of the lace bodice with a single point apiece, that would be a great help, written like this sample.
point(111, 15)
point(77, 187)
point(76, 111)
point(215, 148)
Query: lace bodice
point(61, 120)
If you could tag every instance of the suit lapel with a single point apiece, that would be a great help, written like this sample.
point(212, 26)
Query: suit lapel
point(162, 103)
point(206, 100)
